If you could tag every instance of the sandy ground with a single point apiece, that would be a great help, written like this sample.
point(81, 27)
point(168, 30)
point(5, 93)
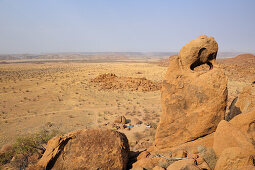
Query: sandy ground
point(61, 96)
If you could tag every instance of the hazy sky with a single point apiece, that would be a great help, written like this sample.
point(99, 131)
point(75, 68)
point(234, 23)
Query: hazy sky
point(34, 26)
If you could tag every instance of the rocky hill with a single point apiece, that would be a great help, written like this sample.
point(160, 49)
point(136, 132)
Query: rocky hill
point(111, 81)
point(240, 60)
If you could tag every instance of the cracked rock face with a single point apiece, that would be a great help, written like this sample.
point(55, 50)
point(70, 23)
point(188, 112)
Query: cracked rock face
point(193, 102)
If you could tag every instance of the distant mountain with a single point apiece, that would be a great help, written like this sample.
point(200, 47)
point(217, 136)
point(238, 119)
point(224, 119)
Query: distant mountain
point(88, 56)
point(101, 56)
point(242, 60)
point(227, 54)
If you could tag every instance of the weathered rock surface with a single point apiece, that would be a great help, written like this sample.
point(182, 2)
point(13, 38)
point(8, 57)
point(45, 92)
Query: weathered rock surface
point(158, 168)
point(244, 103)
point(193, 102)
point(227, 136)
point(188, 164)
point(246, 124)
point(87, 149)
point(235, 158)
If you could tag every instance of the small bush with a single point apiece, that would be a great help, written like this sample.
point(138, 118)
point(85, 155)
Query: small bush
point(138, 136)
point(6, 157)
point(209, 156)
point(27, 146)
point(34, 143)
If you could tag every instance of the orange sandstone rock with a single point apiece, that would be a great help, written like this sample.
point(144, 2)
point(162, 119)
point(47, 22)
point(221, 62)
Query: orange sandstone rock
point(227, 136)
point(193, 102)
point(87, 149)
point(235, 158)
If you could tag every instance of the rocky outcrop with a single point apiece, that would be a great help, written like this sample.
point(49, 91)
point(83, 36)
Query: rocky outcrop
point(86, 149)
point(244, 103)
point(241, 60)
point(111, 81)
point(193, 102)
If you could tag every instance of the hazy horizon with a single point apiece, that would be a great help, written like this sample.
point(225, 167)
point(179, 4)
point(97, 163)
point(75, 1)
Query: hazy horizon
point(62, 26)
point(105, 52)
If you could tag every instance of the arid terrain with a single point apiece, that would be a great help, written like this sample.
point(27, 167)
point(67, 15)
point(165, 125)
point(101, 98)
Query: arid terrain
point(68, 96)
point(62, 96)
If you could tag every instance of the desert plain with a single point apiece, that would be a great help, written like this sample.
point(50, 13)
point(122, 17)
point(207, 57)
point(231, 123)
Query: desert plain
point(62, 96)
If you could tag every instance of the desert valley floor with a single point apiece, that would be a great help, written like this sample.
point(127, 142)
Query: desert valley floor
point(61, 96)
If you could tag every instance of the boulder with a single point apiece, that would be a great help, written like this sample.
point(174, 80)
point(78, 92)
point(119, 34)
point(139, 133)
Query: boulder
point(228, 136)
point(86, 149)
point(250, 167)
point(246, 124)
point(244, 103)
point(187, 164)
point(193, 102)
point(158, 168)
point(202, 50)
point(121, 119)
point(235, 158)
point(204, 165)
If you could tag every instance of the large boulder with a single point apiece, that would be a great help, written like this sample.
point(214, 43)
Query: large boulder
point(244, 103)
point(193, 102)
point(235, 158)
point(187, 164)
point(246, 124)
point(227, 136)
point(86, 149)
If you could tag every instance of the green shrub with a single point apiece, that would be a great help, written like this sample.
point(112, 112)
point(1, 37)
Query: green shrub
point(6, 157)
point(26, 146)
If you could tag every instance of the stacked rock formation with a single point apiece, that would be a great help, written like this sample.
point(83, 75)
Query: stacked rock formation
point(193, 102)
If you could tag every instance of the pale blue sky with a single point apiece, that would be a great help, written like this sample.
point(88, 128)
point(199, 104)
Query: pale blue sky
point(34, 26)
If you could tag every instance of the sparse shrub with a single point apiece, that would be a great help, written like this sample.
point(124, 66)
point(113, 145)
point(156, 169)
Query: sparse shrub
point(27, 146)
point(209, 156)
point(6, 157)
point(152, 133)
point(35, 142)
point(138, 136)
